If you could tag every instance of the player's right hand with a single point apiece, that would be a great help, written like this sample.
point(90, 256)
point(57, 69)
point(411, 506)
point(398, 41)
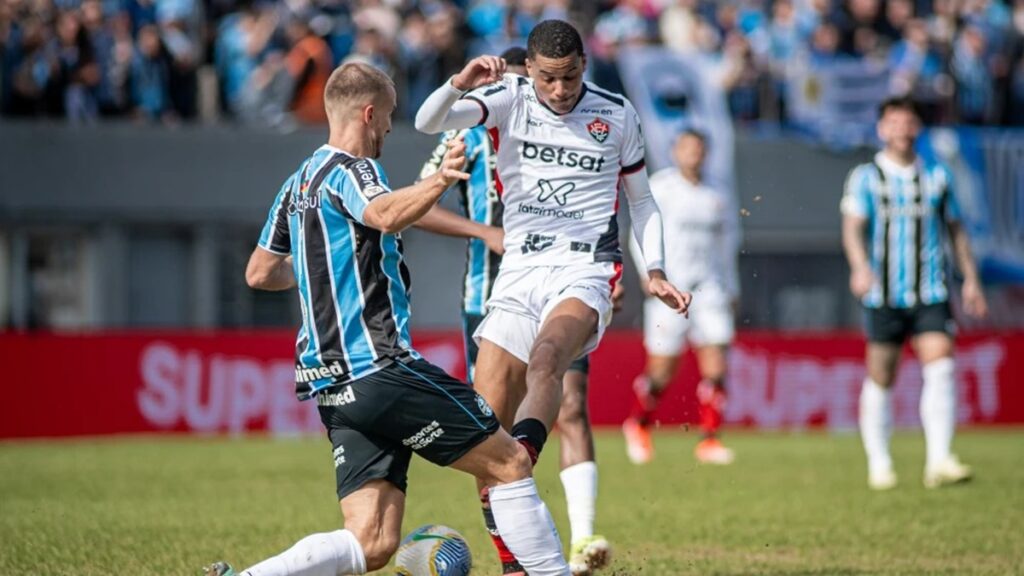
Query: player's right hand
point(661, 288)
point(861, 280)
point(974, 299)
point(618, 296)
point(478, 72)
point(450, 170)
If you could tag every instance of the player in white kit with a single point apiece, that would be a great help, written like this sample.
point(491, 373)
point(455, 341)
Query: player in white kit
point(563, 146)
point(702, 241)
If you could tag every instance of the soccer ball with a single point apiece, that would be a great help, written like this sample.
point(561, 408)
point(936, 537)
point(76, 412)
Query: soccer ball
point(433, 550)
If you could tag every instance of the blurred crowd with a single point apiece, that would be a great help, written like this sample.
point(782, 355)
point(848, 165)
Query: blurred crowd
point(266, 61)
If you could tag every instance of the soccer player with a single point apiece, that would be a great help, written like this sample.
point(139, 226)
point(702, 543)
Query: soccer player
point(482, 205)
point(333, 233)
point(904, 206)
point(702, 250)
point(563, 146)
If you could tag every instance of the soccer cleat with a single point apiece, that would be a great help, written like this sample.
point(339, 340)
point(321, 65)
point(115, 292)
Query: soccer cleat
point(884, 479)
point(639, 446)
point(711, 451)
point(219, 569)
point(949, 471)
point(589, 554)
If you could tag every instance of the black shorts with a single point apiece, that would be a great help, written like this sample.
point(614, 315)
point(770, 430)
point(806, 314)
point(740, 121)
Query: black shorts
point(376, 423)
point(895, 325)
point(470, 322)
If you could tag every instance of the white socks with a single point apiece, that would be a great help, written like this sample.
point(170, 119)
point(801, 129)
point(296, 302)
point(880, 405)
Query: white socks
point(326, 554)
point(876, 425)
point(527, 528)
point(580, 484)
point(938, 409)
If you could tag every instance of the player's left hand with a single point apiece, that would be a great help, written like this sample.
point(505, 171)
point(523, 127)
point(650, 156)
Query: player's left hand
point(973, 297)
point(618, 296)
point(659, 286)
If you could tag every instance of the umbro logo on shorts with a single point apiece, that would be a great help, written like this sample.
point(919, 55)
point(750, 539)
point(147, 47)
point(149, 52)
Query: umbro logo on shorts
point(485, 409)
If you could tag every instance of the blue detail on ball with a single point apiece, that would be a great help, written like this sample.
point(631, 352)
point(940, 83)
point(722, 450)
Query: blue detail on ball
point(443, 550)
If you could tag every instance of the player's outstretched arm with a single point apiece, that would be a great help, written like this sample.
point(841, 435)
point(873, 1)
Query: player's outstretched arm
point(394, 212)
point(648, 230)
point(269, 271)
point(443, 110)
point(445, 222)
point(972, 294)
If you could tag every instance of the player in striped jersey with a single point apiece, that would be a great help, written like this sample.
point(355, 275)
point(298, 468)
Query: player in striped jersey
point(333, 234)
point(482, 205)
point(905, 207)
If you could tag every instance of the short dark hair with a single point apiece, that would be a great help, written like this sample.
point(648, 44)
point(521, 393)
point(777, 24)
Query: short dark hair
point(514, 56)
point(554, 39)
point(699, 135)
point(899, 103)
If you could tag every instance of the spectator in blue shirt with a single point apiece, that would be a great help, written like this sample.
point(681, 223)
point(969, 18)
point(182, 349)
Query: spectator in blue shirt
point(150, 76)
point(974, 92)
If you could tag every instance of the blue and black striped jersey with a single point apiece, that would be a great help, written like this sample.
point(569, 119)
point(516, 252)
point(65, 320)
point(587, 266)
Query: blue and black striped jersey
point(481, 203)
point(353, 285)
point(908, 210)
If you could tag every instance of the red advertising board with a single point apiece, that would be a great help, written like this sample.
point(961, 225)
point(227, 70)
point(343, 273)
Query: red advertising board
point(235, 382)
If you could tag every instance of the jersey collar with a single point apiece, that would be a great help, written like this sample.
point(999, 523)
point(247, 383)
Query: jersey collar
point(583, 93)
point(892, 167)
point(336, 150)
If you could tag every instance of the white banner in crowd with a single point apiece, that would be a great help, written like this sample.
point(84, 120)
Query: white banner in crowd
point(837, 102)
point(672, 92)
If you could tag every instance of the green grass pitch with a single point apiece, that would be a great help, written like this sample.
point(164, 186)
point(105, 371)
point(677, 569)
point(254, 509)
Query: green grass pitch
point(792, 504)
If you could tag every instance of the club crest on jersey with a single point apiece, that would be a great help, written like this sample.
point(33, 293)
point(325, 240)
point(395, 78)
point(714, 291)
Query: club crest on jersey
point(599, 130)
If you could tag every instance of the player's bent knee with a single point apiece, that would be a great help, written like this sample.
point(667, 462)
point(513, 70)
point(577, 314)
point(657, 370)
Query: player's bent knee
point(659, 380)
point(883, 378)
point(716, 379)
point(574, 411)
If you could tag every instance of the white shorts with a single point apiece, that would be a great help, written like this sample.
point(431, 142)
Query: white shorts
point(666, 333)
point(522, 298)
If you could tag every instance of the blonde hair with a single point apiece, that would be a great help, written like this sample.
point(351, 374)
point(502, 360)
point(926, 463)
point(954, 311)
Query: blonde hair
point(353, 84)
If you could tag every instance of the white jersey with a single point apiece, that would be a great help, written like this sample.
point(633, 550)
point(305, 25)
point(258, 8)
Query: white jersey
point(702, 233)
point(559, 173)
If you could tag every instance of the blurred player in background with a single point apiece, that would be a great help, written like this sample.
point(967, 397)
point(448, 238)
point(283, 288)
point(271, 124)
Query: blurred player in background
point(904, 207)
point(562, 146)
point(702, 241)
point(332, 233)
point(482, 206)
